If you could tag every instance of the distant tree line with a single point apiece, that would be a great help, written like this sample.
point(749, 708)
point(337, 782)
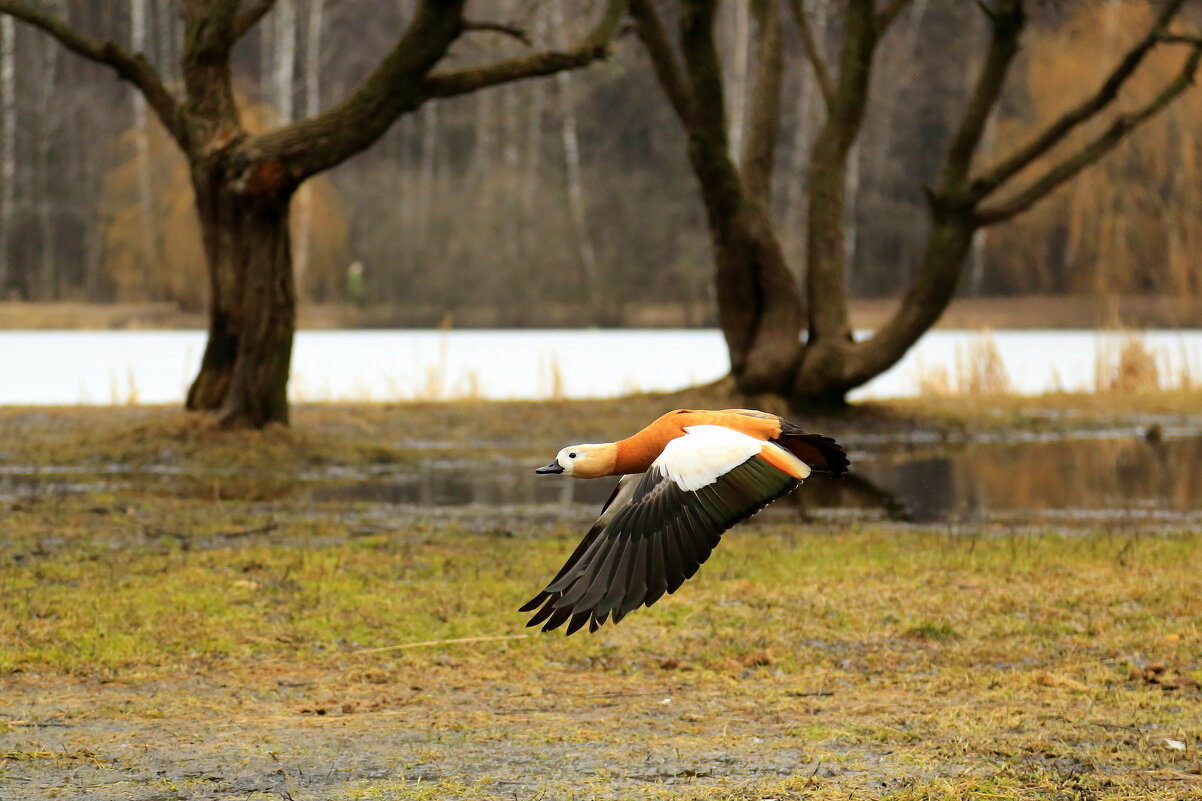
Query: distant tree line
point(570, 194)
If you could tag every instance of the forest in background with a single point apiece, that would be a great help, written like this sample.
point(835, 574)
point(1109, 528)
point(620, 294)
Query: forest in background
point(570, 194)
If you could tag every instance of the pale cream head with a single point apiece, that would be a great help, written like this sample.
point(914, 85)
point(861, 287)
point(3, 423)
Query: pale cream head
point(584, 461)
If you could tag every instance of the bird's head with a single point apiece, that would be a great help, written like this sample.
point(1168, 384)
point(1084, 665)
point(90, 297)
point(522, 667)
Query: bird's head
point(583, 461)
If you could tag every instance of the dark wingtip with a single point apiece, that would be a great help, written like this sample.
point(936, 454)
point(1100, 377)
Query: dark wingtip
point(823, 455)
point(578, 620)
point(542, 614)
point(534, 602)
point(557, 619)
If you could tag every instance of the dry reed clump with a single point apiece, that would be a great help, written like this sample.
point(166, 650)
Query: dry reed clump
point(934, 380)
point(978, 369)
point(551, 380)
point(1127, 367)
point(117, 397)
point(1131, 224)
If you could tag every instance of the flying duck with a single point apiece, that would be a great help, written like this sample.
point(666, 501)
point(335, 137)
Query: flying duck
point(686, 479)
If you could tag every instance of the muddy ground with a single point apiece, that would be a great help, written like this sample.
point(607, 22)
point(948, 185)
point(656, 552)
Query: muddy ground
point(195, 623)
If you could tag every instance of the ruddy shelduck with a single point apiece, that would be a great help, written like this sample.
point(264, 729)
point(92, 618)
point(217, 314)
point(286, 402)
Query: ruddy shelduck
point(686, 479)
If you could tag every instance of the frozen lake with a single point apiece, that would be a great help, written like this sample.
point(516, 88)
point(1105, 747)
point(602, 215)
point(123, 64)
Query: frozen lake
point(117, 367)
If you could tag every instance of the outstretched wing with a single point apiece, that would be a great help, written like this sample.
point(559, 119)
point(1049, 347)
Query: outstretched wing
point(659, 527)
point(822, 454)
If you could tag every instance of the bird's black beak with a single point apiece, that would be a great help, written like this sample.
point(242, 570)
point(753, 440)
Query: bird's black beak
point(554, 467)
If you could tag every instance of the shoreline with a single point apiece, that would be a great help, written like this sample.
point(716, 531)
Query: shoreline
point(1025, 312)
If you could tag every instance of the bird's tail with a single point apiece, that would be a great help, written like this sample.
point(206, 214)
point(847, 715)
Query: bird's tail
point(822, 454)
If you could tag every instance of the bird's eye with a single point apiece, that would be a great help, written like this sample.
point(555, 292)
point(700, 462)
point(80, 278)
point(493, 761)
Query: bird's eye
point(571, 455)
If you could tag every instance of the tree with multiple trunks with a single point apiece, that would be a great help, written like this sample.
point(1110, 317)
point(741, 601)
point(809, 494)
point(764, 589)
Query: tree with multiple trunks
point(762, 308)
point(243, 183)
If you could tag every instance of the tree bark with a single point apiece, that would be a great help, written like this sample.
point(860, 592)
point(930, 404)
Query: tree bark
point(759, 308)
point(252, 311)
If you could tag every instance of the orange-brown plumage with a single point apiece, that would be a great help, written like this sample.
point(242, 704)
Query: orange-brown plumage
point(686, 479)
point(637, 452)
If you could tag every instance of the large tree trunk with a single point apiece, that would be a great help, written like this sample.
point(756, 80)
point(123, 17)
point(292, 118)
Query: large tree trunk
point(759, 307)
point(252, 312)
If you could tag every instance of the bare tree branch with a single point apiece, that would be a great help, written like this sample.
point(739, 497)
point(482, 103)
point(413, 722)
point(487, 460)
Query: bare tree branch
point(548, 62)
point(403, 81)
point(1006, 22)
point(759, 147)
point(826, 255)
point(1098, 147)
point(885, 17)
point(952, 227)
point(512, 31)
point(213, 24)
point(394, 88)
point(821, 72)
point(1045, 140)
point(131, 67)
point(708, 135)
point(650, 29)
point(1177, 38)
point(249, 17)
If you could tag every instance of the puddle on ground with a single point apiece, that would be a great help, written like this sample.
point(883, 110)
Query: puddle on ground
point(1071, 479)
point(1068, 480)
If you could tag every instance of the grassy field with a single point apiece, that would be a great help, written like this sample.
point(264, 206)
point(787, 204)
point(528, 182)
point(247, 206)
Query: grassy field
point(195, 624)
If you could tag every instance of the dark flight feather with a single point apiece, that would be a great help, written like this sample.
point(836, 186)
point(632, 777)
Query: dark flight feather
point(651, 537)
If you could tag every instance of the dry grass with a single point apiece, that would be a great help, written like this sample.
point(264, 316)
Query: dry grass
point(917, 663)
point(203, 640)
point(978, 370)
point(1128, 367)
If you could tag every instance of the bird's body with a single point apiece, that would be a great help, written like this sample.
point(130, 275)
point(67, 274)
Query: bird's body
point(686, 478)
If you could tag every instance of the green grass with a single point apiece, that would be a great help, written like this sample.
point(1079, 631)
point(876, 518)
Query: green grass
point(313, 596)
point(878, 661)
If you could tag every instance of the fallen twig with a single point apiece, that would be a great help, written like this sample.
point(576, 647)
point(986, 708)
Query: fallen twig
point(429, 643)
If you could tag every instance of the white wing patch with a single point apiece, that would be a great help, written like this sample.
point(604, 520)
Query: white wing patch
point(704, 454)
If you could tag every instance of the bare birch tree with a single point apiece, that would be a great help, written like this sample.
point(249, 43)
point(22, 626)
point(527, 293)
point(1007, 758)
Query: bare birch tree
point(152, 255)
point(575, 184)
point(8, 148)
point(304, 195)
point(43, 168)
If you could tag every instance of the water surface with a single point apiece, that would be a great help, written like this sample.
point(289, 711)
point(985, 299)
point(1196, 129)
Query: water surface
point(1114, 480)
point(114, 367)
